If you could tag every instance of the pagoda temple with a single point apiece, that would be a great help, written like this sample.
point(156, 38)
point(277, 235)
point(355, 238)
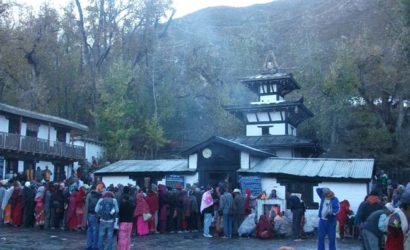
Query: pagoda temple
point(271, 121)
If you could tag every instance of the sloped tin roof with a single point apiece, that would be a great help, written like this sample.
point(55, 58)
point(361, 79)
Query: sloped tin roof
point(273, 140)
point(315, 167)
point(42, 117)
point(141, 166)
point(229, 143)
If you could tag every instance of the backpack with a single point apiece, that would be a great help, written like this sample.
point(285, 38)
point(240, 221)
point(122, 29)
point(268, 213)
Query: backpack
point(106, 206)
point(92, 202)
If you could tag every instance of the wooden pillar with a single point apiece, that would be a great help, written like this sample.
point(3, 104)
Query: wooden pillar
point(48, 136)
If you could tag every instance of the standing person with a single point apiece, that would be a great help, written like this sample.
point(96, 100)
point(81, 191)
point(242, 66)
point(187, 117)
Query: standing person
point(47, 206)
point(152, 200)
point(328, 209)
point(57, 207)
point(207, 208)
point(225, 208)
point(2, 194)
point(238, 210)
point(398, 234)
point(79, 206)
point(38, 174)
point(39, 208)
point(141, 209)
point(47, 174)
point(372, 234)
point(6, 206)
point(126, 217)
point(28, 205)
point(163, 208)
point(371, 204)
point(106, 209)
point(295, 205)
point(343, 216)
point(17, 205)
point(193, 222)
point(91, 217)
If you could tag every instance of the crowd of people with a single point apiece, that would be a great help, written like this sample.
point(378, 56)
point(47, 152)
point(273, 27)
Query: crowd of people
point(102, 211)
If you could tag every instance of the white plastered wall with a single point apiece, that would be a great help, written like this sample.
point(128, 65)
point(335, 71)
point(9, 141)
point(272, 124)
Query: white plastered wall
point(269, 183)
point(353, 192)
point(115, 180)
point(245, 160)
point(4, 124)
point(193, 161)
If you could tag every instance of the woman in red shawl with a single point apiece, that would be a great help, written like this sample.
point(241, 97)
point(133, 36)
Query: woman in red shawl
point(71, 215)
point(17, 205)
point(39, 209)
point(152, 200)
point(264, 229)
point(140, 209)
point(79, 206)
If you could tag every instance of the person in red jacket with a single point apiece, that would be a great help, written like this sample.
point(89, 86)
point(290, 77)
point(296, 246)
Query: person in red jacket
point(343, 216)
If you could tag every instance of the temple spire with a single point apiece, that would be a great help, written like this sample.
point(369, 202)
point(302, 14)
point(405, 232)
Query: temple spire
point(270, 65)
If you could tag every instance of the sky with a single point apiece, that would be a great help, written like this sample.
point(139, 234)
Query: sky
point(183, 7)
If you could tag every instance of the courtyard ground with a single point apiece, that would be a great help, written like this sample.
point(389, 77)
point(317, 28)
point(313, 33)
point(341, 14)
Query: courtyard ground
point(21, 238)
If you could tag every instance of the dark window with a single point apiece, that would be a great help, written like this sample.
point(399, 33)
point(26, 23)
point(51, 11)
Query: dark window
point(11, 168)
point(304, 188)
point(61, 135)
point(265, 130)
point(14, 126)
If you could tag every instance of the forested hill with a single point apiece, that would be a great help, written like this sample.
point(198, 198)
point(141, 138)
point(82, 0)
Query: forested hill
point(149, 87)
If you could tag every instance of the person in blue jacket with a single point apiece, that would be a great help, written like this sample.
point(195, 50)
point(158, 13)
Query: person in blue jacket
point(329, 208)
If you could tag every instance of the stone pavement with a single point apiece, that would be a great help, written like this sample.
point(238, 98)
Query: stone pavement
point(27, 239)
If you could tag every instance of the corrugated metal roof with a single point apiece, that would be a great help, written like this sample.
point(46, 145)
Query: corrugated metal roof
point(42, 117)
point(273, 140)
point(138, 166)
point(316, 167)
point(229, 143)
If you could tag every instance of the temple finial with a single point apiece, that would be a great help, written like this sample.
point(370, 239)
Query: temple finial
point(271, 65)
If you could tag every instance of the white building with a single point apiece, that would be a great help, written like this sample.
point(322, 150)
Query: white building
point(30, 139)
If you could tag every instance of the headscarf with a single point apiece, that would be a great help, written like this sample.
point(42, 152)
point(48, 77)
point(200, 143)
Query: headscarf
point(207, 200)
point(27, 184)
point(40, 192)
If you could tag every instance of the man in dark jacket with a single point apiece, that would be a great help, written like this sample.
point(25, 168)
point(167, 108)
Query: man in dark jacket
point(295, 205)
point(92, 220)
point(371, 204)
point(28, 205)
point(238, 210)
point(225, 208)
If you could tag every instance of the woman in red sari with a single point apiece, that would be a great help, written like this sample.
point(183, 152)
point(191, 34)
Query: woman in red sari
point(72, 221)
point(17, 205)
point(79, 206)
point(39, 209)
point(152, 200)
point(140, 209)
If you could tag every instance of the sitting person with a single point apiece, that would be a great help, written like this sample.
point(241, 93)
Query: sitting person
point(264, 229)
